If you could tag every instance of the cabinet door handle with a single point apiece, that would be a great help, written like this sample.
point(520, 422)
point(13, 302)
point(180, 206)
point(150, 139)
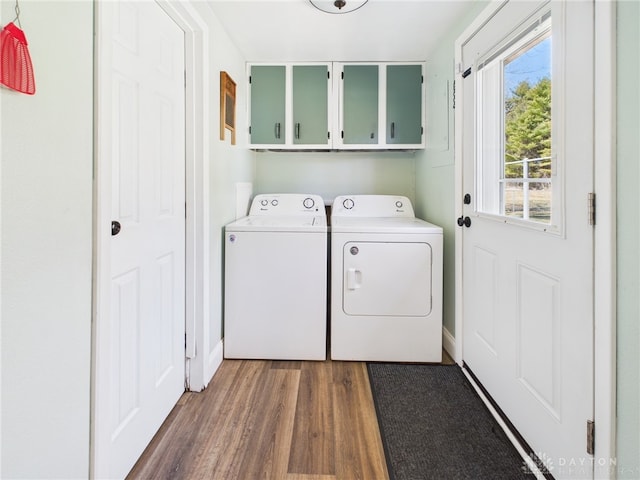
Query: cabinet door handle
point(297, 130)
point(393, 129)
point(277, 130)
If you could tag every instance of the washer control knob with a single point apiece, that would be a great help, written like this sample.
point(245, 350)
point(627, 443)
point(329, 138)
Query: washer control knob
point(399, 204)
point(354, 250)
point(274, 202)
point(308, 202)
point(348, 203)
point(264, 202)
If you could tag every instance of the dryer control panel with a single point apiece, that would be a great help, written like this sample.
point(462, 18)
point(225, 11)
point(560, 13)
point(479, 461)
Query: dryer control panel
point(372, 206)
point(287, 204)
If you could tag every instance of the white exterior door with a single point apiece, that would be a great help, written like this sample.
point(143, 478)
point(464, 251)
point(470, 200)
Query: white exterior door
point(527, 281)
point(140, 330)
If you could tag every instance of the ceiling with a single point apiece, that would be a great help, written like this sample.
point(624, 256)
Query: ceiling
point(295, 31)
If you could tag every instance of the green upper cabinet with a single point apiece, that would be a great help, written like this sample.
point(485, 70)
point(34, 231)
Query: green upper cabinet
point(360, 86)
point(290, 106)
point(268, 93)
point(404, 104)
point(381, 106)
point(339, 106)
point(310, 98)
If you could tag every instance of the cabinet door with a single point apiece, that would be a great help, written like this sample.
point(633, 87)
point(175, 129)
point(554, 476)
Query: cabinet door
point(404, 104)
point(360, 104)
point(268, 104)
point(310, 95)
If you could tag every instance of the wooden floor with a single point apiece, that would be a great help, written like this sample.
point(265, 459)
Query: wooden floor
point(272, 420)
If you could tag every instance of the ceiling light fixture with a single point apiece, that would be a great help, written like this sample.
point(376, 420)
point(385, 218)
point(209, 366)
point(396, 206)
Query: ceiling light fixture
point(338, 6)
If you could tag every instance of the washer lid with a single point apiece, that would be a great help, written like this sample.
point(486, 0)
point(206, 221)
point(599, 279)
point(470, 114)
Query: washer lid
point(383, 225)
point(267, 223)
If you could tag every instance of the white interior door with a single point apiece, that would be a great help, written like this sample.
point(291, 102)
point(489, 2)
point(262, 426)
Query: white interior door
point(140, 356)
point(527, 271)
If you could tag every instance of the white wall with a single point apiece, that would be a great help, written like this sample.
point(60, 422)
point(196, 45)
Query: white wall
point(46, 238)
point(628, 205)
point(46, 145)
point(336, 173)
point(227, 164)
point(435, 180)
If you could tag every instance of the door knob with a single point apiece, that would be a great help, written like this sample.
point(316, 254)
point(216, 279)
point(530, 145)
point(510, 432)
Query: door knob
point(115, 227)
point(466, 221)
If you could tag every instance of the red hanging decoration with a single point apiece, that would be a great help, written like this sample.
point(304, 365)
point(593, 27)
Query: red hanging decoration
point(16, 69)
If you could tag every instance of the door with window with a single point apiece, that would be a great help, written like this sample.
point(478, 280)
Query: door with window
point(527, 236)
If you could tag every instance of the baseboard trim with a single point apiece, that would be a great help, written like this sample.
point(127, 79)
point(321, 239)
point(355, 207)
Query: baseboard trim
point(448, 342)
point(214, 360)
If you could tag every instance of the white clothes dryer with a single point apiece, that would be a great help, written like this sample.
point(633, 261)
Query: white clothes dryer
point(276, 280)
point(386, 281)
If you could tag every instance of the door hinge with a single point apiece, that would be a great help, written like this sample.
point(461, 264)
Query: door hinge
point(453, 100)
point(591, 209)
point(590, 437)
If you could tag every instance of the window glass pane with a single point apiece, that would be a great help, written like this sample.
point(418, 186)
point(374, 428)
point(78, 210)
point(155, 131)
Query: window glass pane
point(526, 178)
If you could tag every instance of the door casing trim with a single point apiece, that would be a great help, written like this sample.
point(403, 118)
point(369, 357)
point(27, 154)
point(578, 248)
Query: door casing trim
point(200, 366)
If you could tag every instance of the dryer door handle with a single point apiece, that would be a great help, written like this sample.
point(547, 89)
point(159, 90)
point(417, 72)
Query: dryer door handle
point(354, 278)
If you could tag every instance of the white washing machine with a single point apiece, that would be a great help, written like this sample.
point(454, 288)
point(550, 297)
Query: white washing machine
point(276, 280)
point(386, 281)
